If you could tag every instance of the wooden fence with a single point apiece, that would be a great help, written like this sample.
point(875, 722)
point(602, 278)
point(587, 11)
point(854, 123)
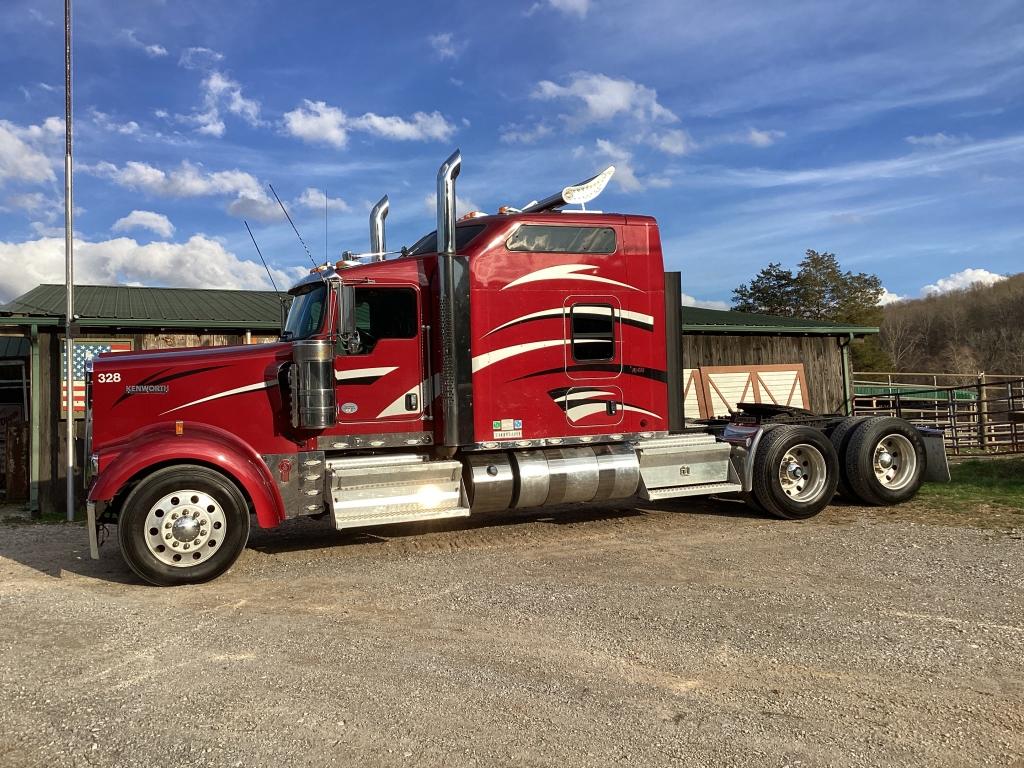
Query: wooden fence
point(980, 415)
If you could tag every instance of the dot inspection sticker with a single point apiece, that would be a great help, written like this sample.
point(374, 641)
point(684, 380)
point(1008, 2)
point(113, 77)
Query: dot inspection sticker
point(507, 429)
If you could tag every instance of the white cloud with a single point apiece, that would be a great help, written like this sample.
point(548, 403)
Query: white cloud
point(936, 140)
point(446, 46)
point(200, 262)
point(756, 138)
point(602, 98)
point(463, 205)
point(422, 127)
point(690, 301)
point(107, 123)
point(568, 7)
point(29, 201)
point(220, 92)
point(317, 123)
point(673, 142)
point(153, 50)
point(187, 180)
point(320, 123)
point(624, 176)
point(524, 134)
point(154, 222)
point(927, 163)
point(199, 58)
point(314, 199)
point(888, 297)
point(965, 278)
point(20, 157)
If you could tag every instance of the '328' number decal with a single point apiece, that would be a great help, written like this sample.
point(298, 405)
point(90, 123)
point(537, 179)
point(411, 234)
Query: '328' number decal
point(107, 378)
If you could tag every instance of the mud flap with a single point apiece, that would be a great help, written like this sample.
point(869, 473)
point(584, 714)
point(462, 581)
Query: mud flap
point(937, 469)
point(93, 529)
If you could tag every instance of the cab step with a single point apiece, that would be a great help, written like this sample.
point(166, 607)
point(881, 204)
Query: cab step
point(379, 490)
point(701, 489)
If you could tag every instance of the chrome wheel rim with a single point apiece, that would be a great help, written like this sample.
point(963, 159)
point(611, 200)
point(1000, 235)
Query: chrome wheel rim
point(802, 473)
point(894, 461)
point(185, 528)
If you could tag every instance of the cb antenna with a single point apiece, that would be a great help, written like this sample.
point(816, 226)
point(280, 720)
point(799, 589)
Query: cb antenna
point(294, 228)
point(260, 254)
point(280, 298)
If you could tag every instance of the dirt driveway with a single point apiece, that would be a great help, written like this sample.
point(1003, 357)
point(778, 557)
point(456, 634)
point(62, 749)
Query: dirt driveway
point(688, 634)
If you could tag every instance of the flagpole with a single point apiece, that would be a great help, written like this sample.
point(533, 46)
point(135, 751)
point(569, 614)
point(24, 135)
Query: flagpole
point(69, 270)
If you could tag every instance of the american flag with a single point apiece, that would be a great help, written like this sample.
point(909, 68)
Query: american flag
point(84, 352)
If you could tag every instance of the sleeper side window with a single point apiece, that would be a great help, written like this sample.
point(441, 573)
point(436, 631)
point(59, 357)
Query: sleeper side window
point(543, 238)
point(593, 332)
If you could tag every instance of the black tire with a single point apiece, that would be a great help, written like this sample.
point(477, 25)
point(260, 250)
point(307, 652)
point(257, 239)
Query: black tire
point(813, 459)
point(209, 507)
point(840, 437)
point(867, 440)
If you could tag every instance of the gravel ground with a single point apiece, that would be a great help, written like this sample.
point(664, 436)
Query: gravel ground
point(686, 634)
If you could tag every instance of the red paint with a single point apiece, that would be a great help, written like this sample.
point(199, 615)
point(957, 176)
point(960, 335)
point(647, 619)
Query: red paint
point(136, 430)
point(157, 445)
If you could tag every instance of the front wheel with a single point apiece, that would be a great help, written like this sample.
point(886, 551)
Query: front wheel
point(183, 525)
point(795, 472)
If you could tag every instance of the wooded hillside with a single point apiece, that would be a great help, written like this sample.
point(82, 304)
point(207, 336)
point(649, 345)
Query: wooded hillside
point(978, 329)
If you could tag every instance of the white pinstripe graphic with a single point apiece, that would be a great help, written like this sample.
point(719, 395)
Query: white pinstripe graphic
point(566, 272)
point(227, 393)
point(625, 314)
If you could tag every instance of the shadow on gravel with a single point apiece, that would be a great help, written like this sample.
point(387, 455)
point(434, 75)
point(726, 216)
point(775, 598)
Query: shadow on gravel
point(53, 555)
point(55, 548)
point(311, 535)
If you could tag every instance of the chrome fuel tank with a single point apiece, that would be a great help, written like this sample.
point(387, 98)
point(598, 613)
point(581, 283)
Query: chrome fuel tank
point(523, 479)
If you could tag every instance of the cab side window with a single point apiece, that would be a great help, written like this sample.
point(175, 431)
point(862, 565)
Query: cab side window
point(385, 313)
point(593, 332)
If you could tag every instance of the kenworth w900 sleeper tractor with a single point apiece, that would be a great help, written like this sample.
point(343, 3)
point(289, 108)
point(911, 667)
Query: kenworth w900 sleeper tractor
point(525, 359)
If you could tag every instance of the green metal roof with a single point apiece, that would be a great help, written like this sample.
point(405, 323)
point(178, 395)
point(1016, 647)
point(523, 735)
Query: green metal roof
point(701, 320)
point(130, 307)
point(13, 346)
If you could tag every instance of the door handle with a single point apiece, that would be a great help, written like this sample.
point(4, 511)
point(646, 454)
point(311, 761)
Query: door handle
point(412, 402)
point(612, 407)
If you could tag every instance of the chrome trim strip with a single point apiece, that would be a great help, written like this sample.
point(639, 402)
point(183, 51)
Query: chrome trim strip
point(379, 440)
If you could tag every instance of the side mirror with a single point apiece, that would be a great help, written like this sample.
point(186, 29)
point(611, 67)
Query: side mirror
point(347, 311)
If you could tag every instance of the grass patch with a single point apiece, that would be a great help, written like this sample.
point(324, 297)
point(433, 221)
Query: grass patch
point(994, 481)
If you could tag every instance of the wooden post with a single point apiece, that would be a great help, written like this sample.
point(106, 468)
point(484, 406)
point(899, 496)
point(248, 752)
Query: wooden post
point(982, 413)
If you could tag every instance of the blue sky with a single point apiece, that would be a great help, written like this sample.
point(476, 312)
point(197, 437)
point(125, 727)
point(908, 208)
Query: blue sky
point(889, 133)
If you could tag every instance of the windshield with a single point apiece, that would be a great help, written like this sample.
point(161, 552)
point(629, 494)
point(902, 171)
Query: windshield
point(306, 315)
point(464, 235)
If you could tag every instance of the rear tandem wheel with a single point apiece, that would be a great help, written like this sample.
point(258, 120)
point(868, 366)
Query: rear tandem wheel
point(795, 472)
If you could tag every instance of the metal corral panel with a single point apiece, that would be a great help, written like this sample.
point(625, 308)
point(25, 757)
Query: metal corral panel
point(394, 491)
point(684, 465)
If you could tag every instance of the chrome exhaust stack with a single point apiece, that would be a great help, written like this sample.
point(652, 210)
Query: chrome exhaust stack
point(378, 244)
point(453, 278)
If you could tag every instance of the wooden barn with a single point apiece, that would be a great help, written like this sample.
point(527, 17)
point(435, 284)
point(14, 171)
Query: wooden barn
point(731, 357)
point(728, 357)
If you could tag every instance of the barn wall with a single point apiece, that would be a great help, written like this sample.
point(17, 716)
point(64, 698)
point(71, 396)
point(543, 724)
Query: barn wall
point(820, 355)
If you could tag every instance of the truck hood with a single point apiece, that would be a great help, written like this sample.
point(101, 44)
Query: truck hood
point(188, 356)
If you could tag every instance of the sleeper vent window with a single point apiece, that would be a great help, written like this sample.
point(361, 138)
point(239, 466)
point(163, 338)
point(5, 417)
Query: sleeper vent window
point(593, 332)
point(537, 238)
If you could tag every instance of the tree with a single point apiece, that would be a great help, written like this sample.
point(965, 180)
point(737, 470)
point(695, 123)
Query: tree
point(772, 292)
point(820, 290)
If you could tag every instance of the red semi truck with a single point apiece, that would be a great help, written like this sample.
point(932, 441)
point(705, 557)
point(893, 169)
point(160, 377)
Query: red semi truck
point(525, 359)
